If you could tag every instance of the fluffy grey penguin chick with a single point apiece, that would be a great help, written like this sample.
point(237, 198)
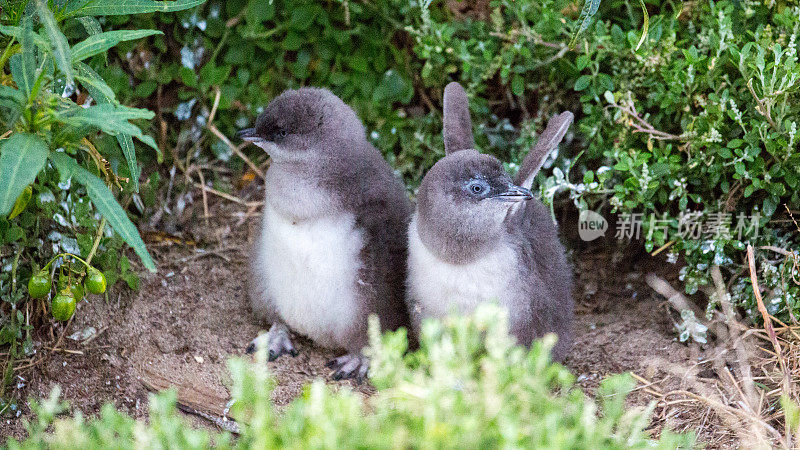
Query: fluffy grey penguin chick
point(332, 248)
point(477, 236)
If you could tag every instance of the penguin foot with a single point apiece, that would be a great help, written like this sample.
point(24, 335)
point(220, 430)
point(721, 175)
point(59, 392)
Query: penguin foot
point(350, 365)
point(277, 341)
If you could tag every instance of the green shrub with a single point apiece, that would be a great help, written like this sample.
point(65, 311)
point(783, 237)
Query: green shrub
point(702, 120)
point(51, 137)
point(467, 387)
point(691, 119)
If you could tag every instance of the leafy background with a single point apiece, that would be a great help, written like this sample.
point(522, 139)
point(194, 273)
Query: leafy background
point(681, 107)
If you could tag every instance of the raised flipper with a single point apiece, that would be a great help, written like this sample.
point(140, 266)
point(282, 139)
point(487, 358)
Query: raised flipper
point(457, 123)
point(548, 140)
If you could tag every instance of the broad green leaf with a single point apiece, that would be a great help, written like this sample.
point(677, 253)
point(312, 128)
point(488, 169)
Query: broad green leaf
point(92, 27)
point(123, 7)
point(60, 47)
point(99, 43)
point(22, 202)
point(22, 156)
point(791, 411)
point(104, 200)
point(582, 82)
point(12, 103)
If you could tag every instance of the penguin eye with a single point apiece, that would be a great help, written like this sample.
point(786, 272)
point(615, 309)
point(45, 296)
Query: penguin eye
point(477, 188)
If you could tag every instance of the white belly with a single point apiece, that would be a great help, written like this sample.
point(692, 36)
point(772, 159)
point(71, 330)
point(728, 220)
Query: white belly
point(437, 288)
point(311, 269)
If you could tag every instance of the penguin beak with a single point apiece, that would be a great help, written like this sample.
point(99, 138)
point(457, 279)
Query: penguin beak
point(514, 194)
point(249, 135)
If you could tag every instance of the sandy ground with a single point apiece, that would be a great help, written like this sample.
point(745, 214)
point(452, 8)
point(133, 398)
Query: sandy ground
point(187, 319)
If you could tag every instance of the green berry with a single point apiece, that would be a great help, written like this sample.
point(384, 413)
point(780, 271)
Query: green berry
point(95, 281)
point(63, 305)
point(39, 285)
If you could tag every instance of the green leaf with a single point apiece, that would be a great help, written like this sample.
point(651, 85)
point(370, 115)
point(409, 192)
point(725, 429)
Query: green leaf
point(14, 94)
point(393, 88)
point(582, 62)
point(22, 156)
point(111, 119)
point(126, 144)
point(104, 200)
point(20, 75)
point(582, 82)
point(123, 7)
point(792, 412)
point(302, 17)
point(99, 43)
point(17, 33)
point(60, 47)
point(91, 25)
point(588, 11)
point(517, 84)
point(770, 205)
point(21, 202)
point(28, 52)
point(94, 83)
point(645, 25)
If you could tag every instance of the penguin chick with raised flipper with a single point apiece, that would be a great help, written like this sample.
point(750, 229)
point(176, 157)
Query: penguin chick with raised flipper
point(477, 236)
point(332, 248)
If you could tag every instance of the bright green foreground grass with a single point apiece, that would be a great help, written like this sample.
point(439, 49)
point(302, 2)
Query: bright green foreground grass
point(467, 387)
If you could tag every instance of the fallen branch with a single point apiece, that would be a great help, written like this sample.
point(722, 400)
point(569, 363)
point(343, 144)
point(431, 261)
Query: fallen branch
point(194, 400)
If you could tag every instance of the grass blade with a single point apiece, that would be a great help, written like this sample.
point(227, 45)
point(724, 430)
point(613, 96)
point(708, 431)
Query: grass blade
point(22, 156)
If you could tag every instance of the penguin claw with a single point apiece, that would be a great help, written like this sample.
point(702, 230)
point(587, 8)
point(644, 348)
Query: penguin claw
point(349, 366)
point(277, 342)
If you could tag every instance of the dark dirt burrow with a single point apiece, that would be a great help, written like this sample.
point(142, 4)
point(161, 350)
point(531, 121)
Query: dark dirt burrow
point(187, 319)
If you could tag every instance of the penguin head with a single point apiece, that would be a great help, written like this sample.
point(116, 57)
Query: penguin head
point(298, 123)
point(464, 200)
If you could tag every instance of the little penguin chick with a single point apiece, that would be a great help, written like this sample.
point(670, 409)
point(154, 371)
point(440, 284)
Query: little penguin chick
point(332, 248)
point(477, 236)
